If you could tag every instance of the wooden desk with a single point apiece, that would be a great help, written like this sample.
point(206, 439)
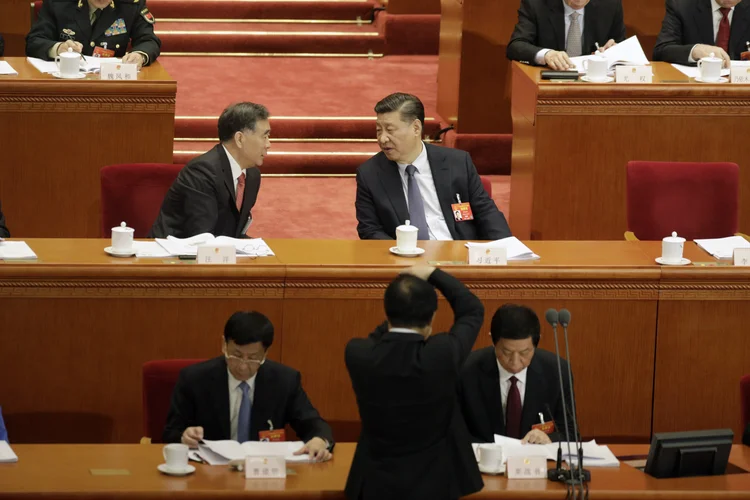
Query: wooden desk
point(572, 141)
point(58, 134)
point(93, 320)
point(57, 472)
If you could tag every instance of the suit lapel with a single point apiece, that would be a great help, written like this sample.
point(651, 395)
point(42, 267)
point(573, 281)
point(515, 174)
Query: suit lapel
point(221, 398)
point(84, 24)
point(262, 411)
point(490, 388)
point(106, 18)
point(226, 170)
point(738, 35)
point(441, 177)
point(590, 18)
point(533, 398)
point(557, 22)
point(252, 181)
point(390, 177)
point(704, 22)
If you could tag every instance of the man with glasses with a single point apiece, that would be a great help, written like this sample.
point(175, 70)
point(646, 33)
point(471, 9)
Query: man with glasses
point(506, 387)
point(242, 395)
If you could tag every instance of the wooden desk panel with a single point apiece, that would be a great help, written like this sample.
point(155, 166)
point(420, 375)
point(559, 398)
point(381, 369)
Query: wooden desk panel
point(572, 142)
point(57, 134)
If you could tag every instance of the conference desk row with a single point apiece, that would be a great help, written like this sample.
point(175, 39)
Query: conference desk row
point(129, 471)
point(653, 348)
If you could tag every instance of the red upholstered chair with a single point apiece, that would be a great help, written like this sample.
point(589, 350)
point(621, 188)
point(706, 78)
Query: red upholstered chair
point(487, 183)
point(745, 399)
point(134, 193)
point(698, 200)
point(159, 379)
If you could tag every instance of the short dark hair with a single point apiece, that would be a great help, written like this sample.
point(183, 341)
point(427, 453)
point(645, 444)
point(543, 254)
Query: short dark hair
point(515, 322)
point(248, 327)
point(408, 105)
point(238, 117)
point(410, 302)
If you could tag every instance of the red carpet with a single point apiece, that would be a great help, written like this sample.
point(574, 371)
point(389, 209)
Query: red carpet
point(260, 9)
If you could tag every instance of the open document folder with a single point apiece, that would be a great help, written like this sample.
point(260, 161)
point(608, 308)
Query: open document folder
point(223, 452)
point(513, 246)
point(628, 52)
point(594, 455)
point(254, 247)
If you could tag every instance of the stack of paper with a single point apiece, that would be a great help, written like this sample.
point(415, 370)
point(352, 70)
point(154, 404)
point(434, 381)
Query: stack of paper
point(594, 455)
point(626, 52)
point(7, 69)
point(223, 452)
point(693, 72)
point(6, 453)
point(16, 250)
point(89, 65)
point(723, 248)
point(516, 250)
point(255, 247)
point(149, 249)
point(42, 65)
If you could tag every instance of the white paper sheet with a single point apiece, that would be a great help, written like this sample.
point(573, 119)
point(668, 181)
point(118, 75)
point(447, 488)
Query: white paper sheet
point(90, 64)
point(516, 250)
point(223, 452)
point(254, 247)
point(7, 69)
point(6, 453)
point(149, 249)
point(721, 248)
point(16, 250)
point(594, 455)
point(42, 65)
point(692, 71)
point(626, 52)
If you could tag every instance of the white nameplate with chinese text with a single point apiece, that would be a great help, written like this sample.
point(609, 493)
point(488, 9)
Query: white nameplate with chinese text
point(633, 74)
point(272, 467)
point(118, 72)
point(216, 254)
point(484, 256)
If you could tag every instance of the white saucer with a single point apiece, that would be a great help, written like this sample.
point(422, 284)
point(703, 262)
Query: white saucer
point(175, 472)
point(720, 80)
point(682, 262)
point(606, 79)
point(491, 472)
point(111, 251)
point(57, 74)
point(413, 253)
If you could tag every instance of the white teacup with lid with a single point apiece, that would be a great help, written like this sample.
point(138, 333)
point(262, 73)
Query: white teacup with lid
point(68, 63)
point(406, 237)
point(122, 239)
point(710, 68)
point(671, 249)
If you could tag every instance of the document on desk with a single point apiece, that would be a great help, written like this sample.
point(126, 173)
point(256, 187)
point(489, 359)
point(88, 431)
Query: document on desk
point(223, 452)
point(7, 455)
point(692, 71)
point(515, 249)
point(149, 249)
point(16, 250)
point(42, 65)
point(7, 69)
point(594, 455)
point(252, 247)
point(627, 52)
point(721, 248)
point(90, 64)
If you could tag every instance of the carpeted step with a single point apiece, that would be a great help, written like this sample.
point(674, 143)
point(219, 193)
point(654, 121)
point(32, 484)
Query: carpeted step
point(228, 25)
point(262, 9)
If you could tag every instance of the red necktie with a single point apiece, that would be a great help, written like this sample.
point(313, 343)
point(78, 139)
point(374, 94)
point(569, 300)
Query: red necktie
point(240, 191)
point(722, 37)
point(513, 411)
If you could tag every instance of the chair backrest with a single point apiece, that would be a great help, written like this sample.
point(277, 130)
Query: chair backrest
point(134, 193)
point(487, 183)
point(159, 379)
point(698, 200)
point(745, 399)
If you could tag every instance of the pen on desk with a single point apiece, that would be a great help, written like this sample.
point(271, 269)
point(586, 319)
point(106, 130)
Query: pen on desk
point(458, 198)
point(270, 425)
point(597, 46)
point(541, 418)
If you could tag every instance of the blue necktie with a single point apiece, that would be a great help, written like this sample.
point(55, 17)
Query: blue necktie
point(416, 205)
point(243, 420)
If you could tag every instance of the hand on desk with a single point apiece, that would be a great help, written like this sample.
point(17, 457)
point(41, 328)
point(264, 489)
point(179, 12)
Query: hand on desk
point(192, 435)
point(558, 60)
point(69, 44)
point(610, 43)
point(134, 58)
point(317, 448)
point(535, 436)
point(701, 50)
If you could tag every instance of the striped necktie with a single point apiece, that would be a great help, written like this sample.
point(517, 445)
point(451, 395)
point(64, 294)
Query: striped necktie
point(574, 47)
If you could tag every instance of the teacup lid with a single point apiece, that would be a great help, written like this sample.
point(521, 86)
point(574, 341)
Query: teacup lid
point(70, 54)
point(598, 57)
point(674, 238)
point(407, 226)
point(123, 228)
point(711, 57)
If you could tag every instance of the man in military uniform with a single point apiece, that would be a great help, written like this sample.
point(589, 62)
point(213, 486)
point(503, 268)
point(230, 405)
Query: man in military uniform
point(95, 27)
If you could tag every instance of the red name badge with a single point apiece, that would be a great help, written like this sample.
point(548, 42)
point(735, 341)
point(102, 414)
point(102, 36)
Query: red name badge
point(102, 52)
point(546, 427)
point(462, 212)
point(274, 435)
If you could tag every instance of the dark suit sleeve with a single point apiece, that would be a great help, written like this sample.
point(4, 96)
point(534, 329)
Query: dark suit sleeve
point(143, 38)
point(2, 45)
point(468, 312)
point(466, 404)
point(43, 34)
point(618, 32)
point(746, 437)
point(181, 412)
point(491, 221)
point(523, 41)
point(669, 44)
point(559, 434)
point(4, 232)
point(381, 330)
point(304, 418)
point(369, 226)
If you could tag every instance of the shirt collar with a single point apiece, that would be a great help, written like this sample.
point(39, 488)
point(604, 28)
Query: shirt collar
point(404, 330)
point(715, 6)
point(236, 169)
point(234, 383)
point(420, 160)
point(93, 8)
point(569, 10)
point(505, 374)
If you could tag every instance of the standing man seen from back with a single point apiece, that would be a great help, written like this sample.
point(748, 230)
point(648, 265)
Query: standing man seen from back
point(414, 444)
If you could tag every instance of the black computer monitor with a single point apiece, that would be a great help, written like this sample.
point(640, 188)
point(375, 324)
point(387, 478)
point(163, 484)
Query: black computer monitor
point(694, 453)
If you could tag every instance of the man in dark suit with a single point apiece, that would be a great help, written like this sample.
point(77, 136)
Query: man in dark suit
point(504, 388)
point(549, 31)
point(414, 444)
point(425, 184)
point(216, 191)
point(95, 27)
point(693, 29)
point(2, 45)
point(4, 232)
point(240, 394)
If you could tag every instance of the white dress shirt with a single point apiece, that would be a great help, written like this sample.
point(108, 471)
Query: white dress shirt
point(505, 384)
point(433, 213)
point(717, 21)
point(403, 330)
point(539, 58)
point(236, 169)
point(235, 398)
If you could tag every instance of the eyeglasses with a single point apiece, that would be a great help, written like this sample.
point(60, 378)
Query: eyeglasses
point(247, 361)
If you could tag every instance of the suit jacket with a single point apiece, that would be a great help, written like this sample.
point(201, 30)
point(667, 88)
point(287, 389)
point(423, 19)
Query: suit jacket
point(541, 25)
point(202, 199)
point(746, 436)
point(2, 45)
point(201, 398)
point(482, 406)
point(129, 21)
point(381, 204)
point(4, 232)
point(414, 444)
point(689, 22)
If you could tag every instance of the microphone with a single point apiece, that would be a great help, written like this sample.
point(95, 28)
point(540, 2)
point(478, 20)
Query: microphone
point(559, 442)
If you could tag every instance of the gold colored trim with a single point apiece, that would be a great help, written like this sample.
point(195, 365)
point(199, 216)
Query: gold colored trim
point(266, 54)
point(322, 118)
point(356, 34)
point(268, 21)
